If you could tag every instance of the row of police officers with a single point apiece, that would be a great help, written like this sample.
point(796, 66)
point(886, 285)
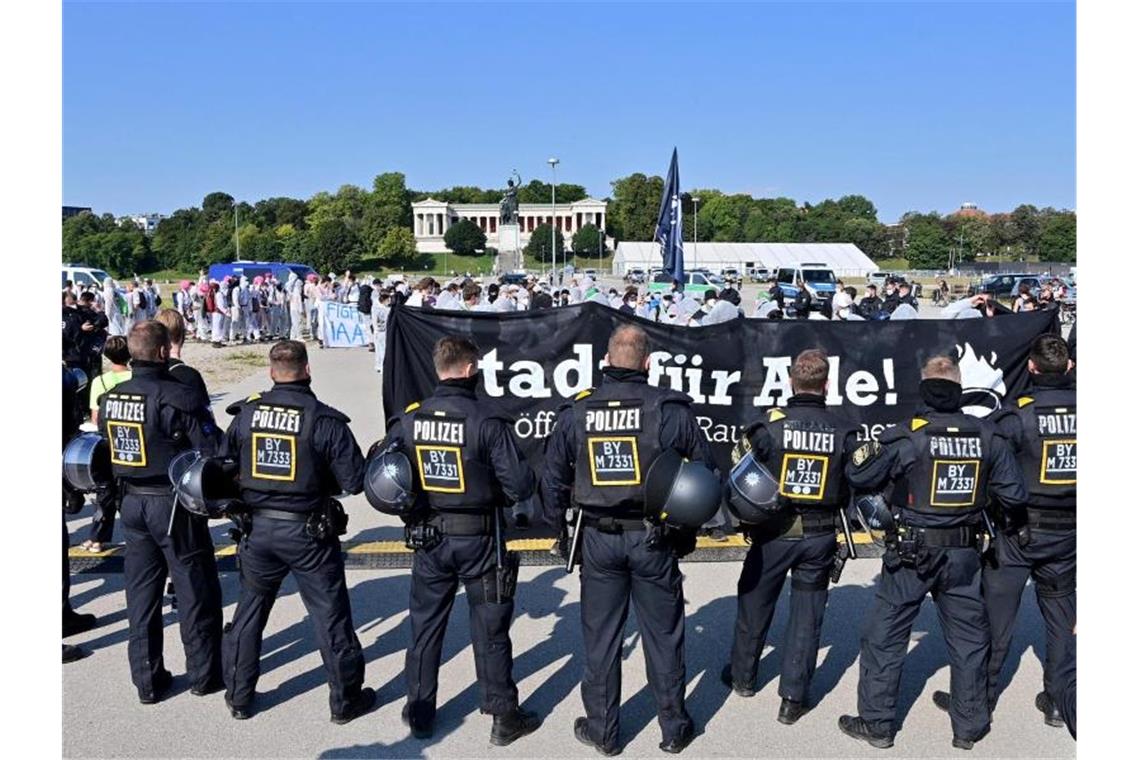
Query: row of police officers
point(967, 508)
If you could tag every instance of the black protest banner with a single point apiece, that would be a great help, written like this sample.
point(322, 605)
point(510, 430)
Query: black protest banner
point(535, 361)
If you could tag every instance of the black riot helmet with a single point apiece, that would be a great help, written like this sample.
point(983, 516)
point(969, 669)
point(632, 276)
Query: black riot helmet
point(206, 486)
point(680, 493)
point(752, 494)
point(87, 462)
point(389, 484)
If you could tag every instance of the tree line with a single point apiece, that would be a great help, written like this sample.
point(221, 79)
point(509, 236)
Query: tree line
point(337, 231)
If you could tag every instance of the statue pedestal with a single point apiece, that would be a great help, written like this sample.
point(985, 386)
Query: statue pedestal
point(510, 252)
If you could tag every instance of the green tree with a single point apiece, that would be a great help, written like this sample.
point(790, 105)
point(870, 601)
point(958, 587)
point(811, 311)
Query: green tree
point(274, 212)
point(465, 238)
point(217, 205)
point(633, 211)
point(539, 246)
point(1058, 238)
point(1026, 221)
point(927, 244)
point(398, 245)
point(300, 248)
point(537, 191)
point(337, 246)
point(586, 240)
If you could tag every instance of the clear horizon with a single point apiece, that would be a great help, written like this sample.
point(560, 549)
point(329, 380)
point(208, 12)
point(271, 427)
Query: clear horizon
point(917, 107)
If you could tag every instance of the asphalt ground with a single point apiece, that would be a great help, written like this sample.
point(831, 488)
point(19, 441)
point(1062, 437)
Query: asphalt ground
point(102, 717)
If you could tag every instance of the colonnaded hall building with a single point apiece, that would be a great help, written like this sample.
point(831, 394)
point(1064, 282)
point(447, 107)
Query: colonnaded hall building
point(431, 219)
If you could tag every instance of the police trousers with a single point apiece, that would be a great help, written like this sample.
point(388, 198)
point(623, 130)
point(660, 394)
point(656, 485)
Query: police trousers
point(436, 573)
point(761, 580)
point(953, 578)
point(271, 550)
point(616, 566)
point(1050, 558)
point(187, 556)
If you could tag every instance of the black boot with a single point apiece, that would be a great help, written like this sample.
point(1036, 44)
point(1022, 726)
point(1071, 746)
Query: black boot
point(857, 728)
point(677, 745)
point(422, 728)
point(73, 653)
point(513, 725)
point(239, 712)
point(1046, 706)
point(74, 623)
point(162, 683)
point(791, 711)
point(362, 704)
point(581, 735)
point(739, 689)
point(960, 743)
point(941, 700)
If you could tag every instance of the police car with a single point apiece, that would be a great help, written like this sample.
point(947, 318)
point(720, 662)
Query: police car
point(819, 279)
point(696, 283)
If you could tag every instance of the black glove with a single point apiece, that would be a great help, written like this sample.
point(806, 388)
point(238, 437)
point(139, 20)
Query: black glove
point(682, 542)
point(523, 513)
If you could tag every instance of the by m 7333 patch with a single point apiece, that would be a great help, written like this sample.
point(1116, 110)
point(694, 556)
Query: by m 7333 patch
point(803, 476)
point(125, 415)
point(274, 443)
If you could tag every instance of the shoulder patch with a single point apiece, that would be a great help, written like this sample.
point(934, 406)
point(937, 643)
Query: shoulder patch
point(412, 407)
point(918, 424)
point(253, 397)
point(775, 415)
point(1024, 401)
point(583, 394)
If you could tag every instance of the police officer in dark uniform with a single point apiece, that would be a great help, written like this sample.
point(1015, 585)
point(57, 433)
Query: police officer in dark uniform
point(806, 447)
point(941, 466)
point(802, 304)
point(1039, 540)
point(626, 423)
point(468, 468)
point(870, 305)
point(73, 622)
point(147, 421)
point(293, 454)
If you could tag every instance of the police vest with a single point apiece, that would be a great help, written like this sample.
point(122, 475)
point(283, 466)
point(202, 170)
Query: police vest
point(807, 456)
point(275, 432)
point(129, 415)
point(1048, 454)
point(952, 461)
point(442, 438)
point(619, 427)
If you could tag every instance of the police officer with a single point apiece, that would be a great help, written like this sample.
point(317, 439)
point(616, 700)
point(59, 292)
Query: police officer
point(147, 421)
point(629, 423)
point(941, 466)
point(293, 454)
point(1041, 539)
point(73, 622)
point(805, 447)
point(468, 467)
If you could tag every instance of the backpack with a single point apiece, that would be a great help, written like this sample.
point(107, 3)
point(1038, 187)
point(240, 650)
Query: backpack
point(364, 302)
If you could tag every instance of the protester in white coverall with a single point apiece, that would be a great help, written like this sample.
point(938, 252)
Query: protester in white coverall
point(115, 308)
point(381, 308)
point(225, 297)
point(218, 316)
point(201, 318)
point(294, 289)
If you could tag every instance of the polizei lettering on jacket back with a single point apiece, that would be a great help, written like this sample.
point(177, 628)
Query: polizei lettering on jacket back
point(439, 442)
point(808, 450)
point(274, 441)
point(957, 462)
point(125, 415)
point(614, 459)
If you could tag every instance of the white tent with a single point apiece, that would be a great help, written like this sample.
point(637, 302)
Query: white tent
point(845, 259)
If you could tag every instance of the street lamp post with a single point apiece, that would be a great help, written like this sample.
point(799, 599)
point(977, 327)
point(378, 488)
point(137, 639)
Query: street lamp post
point(553, 210)
point(696, 200)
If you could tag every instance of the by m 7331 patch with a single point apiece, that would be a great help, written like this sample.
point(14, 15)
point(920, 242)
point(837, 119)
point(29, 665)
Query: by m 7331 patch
point(954, 483)
point(803, 476)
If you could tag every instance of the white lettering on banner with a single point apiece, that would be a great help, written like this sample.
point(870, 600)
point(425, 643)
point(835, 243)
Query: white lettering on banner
point(684, 374)
point(343, 326)
point(717, 432)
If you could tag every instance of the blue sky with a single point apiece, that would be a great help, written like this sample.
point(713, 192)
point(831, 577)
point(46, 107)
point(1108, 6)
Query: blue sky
point(916, 106)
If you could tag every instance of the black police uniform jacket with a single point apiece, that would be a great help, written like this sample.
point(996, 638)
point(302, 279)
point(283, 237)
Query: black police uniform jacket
point(148, 420)
point(463, 454)
point(942, 466)
point(805, 448)
point(293, 450)
point(1041, 426)
point(605, 441)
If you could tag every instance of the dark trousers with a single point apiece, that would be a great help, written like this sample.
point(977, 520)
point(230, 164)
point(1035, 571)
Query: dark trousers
point(1051, 559)
point(66, 571)
point(103, 521)
point(953, 578)
point(272, 550)
point(187, 556)
point(761, 580)
point(436, 574)
point(614, 567)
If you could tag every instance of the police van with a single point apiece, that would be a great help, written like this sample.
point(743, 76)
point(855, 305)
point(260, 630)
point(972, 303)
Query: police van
point(819, 279)
point(84, 277)
point(251, 269)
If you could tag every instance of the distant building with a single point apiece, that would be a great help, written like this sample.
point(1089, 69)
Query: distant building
point(968, 209)
point(431, 218)
point(70, 211)
point(148, 223)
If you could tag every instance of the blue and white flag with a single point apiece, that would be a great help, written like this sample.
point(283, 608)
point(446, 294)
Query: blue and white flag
point(668, 232)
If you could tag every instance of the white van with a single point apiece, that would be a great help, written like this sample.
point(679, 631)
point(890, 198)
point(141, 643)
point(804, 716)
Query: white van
point(819, 279)
point(84, 277)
